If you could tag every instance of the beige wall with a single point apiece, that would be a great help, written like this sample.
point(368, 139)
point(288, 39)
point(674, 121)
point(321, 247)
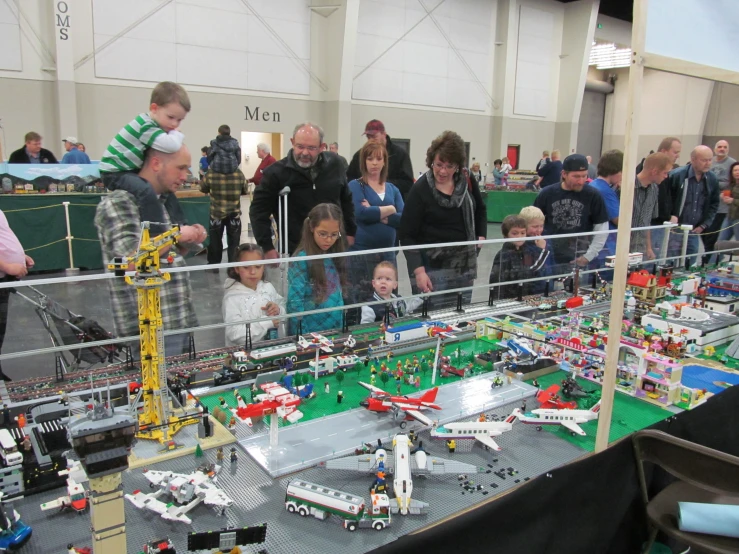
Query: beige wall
point(421, 127)
point(103, 110)
point(722, 121)
point(672, 105)
point(29, 106)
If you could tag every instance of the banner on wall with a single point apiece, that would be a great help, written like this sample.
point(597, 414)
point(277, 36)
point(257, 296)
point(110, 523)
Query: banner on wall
point(31, 178)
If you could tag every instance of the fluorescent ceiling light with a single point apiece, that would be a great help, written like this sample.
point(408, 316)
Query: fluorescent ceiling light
point(608, 55)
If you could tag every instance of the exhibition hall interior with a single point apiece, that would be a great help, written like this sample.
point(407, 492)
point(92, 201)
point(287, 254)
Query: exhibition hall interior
point(381, 276)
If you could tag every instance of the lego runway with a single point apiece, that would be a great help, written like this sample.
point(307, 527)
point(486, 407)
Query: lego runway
point(306, 444)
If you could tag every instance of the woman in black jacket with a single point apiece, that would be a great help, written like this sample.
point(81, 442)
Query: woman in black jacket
point(443, 206)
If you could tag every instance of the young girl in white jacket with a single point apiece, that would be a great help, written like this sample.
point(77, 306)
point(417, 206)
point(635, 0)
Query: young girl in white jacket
point(247, 297)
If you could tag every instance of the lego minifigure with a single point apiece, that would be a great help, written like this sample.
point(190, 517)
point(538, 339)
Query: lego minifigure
point(234, 455)
point(397, 388)
point(6, 416)
point(339, 397)
point(451, 444)
point(373, 379)
point(219, 454)
point(326, 387)
point(412, 435)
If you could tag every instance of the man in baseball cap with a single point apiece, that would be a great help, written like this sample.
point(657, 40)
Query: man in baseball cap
point(400, 170)
point(73, 155)
point(571, 208)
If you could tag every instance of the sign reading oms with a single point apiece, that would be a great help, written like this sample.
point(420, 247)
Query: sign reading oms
point(62, 20)
point(255, 115)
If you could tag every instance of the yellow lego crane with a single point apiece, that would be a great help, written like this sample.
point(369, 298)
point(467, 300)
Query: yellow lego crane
point(156, 421)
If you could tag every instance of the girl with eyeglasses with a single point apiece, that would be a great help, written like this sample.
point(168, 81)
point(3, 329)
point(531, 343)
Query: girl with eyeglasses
point(317, 284)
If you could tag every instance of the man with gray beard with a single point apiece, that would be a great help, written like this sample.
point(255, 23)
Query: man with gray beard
point(314, 176)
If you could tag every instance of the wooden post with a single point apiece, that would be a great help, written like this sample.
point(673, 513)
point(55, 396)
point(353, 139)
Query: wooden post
point(633, 112)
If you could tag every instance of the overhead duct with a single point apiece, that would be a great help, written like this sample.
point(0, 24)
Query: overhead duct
point(598, 86)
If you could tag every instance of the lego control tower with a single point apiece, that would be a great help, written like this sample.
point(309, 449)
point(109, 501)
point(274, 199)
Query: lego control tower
point(102, 438)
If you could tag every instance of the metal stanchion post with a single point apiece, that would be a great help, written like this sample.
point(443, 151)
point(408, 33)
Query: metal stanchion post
point(69, 238)
point(684, 248)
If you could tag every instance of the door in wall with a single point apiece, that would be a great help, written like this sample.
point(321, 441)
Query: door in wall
point(249, 141)
point(513, 154)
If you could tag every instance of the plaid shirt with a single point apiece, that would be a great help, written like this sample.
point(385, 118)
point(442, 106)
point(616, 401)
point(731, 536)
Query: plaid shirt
point(119, 229)
point(225, 193)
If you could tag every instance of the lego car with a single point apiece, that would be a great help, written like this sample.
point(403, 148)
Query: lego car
point(447, 370)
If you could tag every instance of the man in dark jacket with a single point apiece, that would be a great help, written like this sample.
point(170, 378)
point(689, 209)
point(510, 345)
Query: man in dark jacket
point(313, 176)
point(551, 172)
point(32, 153)
point(400, 170)
point(695, 197)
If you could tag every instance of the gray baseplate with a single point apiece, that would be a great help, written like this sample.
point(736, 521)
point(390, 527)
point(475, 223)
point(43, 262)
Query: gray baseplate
point(305, 444)
point(259, 499)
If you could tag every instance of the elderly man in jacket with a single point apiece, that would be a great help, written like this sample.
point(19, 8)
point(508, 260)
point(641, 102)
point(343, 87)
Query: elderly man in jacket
point(314, 176)
point(695, 198)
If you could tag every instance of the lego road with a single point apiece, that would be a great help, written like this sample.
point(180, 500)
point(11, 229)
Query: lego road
point(306, 444)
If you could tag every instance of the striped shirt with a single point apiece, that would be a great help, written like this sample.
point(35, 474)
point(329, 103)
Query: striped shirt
point(126, 151)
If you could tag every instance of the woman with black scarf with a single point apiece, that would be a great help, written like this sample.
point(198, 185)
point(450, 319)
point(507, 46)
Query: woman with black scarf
point(443, 206)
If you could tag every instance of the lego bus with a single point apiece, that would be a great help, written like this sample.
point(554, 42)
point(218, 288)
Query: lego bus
point(307, 498)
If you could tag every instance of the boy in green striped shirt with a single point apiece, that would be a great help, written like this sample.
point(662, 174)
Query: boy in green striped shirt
point(157, 129)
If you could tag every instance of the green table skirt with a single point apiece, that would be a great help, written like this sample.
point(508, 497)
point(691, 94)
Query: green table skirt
point(38, 221)
point(502, 203)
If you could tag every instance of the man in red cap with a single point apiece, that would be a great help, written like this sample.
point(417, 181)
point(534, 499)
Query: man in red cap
point(400, 170)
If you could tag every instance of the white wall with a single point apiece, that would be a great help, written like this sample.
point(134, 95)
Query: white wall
point(406, 55)
point(672, 105)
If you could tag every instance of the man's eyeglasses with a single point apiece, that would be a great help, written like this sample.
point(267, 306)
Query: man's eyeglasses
point(308, 148)
point(324, 235)
point(445, 167)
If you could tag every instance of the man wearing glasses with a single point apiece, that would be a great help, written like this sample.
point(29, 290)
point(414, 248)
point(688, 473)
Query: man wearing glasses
point(314, 177)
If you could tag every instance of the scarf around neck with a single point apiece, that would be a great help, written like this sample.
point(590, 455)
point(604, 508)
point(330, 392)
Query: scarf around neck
point(462, 199)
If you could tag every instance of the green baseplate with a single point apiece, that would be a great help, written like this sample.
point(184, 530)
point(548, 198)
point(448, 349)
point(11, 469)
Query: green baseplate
point(629, 414)
point(325, 404)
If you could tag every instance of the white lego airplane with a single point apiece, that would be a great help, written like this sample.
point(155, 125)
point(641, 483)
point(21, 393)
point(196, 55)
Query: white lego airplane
point(482, 431)
point(187, 492)
point(567, 418)
point(319, 341)
point(402, 465)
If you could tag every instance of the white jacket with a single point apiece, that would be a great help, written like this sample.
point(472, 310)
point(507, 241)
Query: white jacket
point(241, 304)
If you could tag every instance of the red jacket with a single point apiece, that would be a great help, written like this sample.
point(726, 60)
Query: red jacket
point(267, 161)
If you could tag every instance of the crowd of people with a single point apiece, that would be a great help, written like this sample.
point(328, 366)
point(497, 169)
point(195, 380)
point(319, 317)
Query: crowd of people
point(369, 204)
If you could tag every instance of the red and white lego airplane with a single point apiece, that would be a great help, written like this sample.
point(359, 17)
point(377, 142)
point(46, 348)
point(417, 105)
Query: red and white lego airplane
point(382, 401)
point(275, 400)
point(76, 497)
point(317, 341)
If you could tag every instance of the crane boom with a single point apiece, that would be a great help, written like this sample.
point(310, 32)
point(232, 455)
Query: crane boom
point(156, 420)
